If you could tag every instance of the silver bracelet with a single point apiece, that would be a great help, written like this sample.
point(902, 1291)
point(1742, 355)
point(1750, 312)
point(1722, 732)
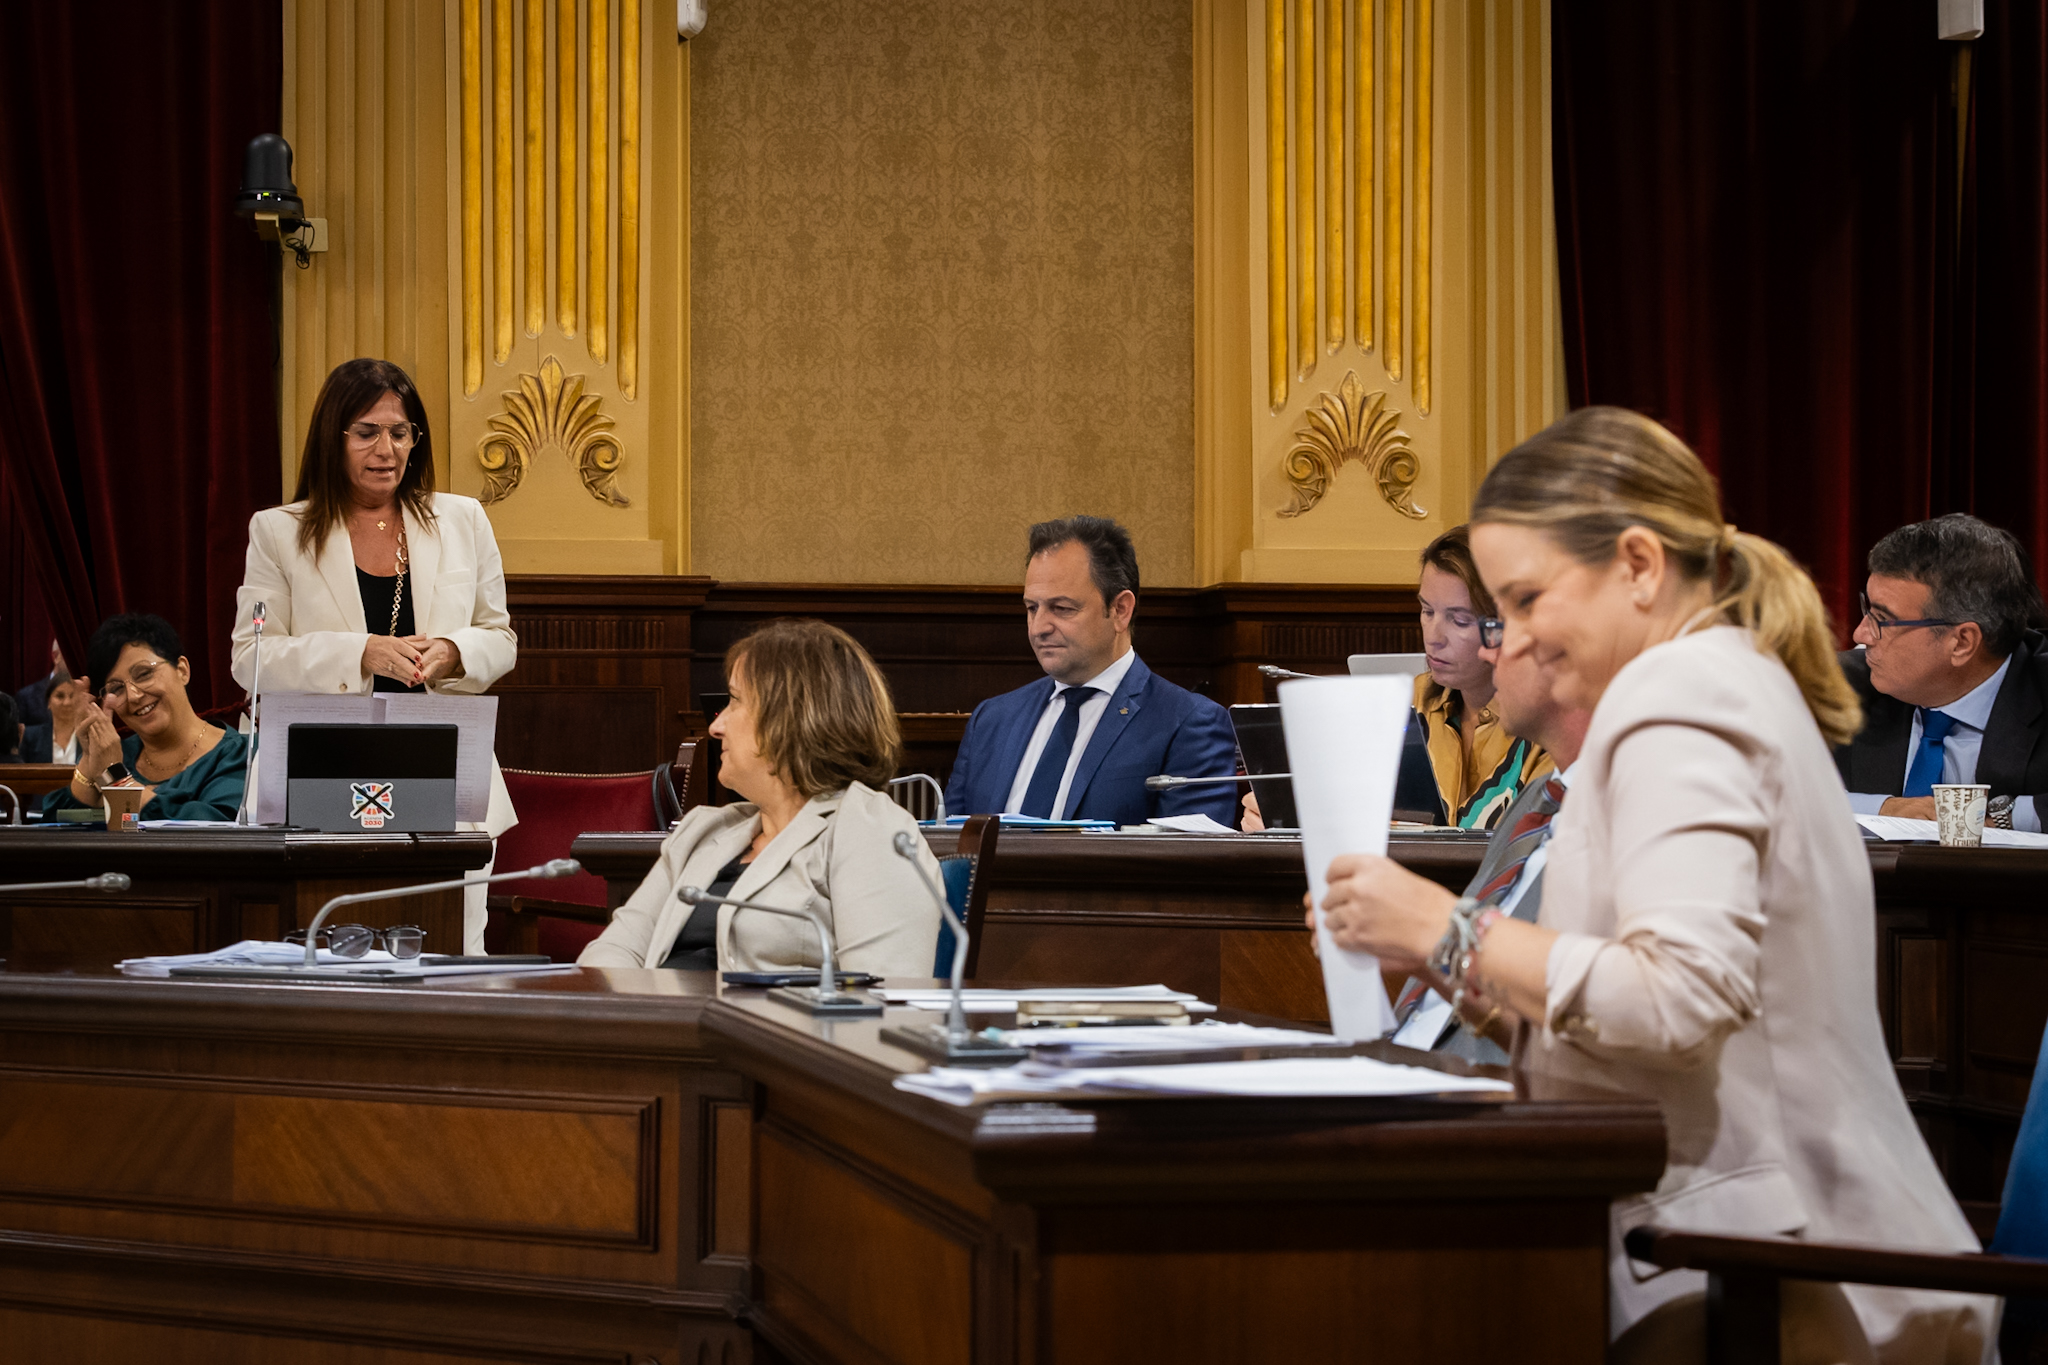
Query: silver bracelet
point(1456, 943)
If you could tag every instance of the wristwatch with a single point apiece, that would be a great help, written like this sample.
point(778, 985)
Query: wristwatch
point(1998, 813)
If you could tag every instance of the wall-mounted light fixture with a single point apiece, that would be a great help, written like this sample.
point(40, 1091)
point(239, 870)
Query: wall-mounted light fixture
point(689, 19)
point(269, 197)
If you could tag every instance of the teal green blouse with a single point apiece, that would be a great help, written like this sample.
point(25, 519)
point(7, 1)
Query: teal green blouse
point(210, 789)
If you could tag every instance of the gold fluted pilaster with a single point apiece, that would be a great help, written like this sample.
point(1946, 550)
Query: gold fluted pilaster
point(1333, 175)
point(1305, 215)
point(1425, 65)
point(629, 197)
point(1363, 204)
point(565, 167)
point(472, 197)
point(1391, 259)
point(501, 180)
point(1276, 202)
point(536, 96)
point(596, 260)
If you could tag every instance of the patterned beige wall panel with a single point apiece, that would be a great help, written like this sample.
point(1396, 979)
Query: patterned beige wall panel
point(583, 469)
point(364, 110)
point(1441, 206)
point(943, 284)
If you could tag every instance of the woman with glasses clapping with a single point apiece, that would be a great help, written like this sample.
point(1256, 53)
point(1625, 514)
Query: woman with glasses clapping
point(372, 580)
point(190, 769)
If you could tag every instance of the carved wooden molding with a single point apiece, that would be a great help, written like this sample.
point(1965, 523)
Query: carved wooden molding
point(550, 410)
point(1351, 424)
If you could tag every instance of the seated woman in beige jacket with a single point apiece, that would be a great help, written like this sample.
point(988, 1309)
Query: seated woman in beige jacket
point(809, 738)
point(1707, 936)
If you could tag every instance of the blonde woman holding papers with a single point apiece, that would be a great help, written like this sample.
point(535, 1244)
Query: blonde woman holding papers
point(1707, 933)
point(373, 581)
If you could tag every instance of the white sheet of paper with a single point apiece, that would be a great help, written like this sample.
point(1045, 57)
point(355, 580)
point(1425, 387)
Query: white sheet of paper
point(1199, 823)
point(1898, 827)
point(1344, 740)
point(476, 719)
point(281, 710)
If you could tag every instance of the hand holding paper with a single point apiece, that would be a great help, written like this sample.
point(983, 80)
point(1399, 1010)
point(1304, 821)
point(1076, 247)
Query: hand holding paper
point(1344, 747)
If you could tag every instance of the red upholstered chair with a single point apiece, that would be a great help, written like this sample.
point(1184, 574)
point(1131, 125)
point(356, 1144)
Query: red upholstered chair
point(560, 917)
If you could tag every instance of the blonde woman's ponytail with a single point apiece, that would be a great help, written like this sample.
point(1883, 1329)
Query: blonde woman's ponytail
point(1769, 595)
point(1595, 472)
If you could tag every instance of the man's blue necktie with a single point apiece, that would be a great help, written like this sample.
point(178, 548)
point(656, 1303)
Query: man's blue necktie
point(1052, 764)
point(1926, 769)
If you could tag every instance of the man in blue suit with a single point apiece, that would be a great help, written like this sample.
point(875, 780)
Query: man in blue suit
point(1079, 743)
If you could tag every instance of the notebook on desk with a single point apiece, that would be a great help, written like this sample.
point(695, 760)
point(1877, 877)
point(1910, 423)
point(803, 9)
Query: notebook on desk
point(380, 779)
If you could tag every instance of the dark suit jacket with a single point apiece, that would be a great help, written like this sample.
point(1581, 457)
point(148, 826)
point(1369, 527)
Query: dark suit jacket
point(35, 743)
point(2014, 758)
point(1150, 728)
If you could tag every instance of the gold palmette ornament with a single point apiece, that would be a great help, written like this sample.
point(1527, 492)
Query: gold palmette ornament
point(551, 410)
point(1351, 424)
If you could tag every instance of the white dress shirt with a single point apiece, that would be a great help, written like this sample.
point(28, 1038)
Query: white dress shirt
point(67, 752)
point(1426, 1025)
point(1959, 749)
point(1105, 684)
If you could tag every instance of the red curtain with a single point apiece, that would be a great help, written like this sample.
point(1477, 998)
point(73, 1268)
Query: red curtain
point(1765, 243)
point(138, 428)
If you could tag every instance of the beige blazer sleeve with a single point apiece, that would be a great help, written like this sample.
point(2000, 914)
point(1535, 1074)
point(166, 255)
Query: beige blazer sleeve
point(645, 928)
point(1680, 972)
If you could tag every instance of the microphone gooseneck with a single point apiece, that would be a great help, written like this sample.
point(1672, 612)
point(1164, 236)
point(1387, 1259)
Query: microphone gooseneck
point(554, 867)
point(1274, 671)
point(106, 881)
point(906, 845)
point(257, 616)
point(1163, 783)
point(827, 990)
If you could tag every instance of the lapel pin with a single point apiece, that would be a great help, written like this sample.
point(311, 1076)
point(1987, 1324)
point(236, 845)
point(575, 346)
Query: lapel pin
point(1123, 710)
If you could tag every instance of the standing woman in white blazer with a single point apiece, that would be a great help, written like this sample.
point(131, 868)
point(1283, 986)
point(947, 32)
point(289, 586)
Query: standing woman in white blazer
point(1708, 932)
point(373, 581)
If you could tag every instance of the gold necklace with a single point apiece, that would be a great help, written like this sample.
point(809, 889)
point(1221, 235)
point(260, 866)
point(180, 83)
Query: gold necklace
point(184, 759)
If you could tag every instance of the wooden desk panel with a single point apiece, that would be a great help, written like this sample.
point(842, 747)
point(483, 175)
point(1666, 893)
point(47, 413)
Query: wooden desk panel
point(543, 1169)
point(497, 1169)
point(196, 890)
point(1153, 1230)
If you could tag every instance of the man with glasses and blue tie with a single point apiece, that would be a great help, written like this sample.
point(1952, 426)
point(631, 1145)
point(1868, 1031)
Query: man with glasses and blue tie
point(1952, 674)
point(1079, 743)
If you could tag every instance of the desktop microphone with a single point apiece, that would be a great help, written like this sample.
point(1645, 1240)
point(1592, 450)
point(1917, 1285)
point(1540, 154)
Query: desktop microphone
point(1282, 674)
point(242, 816)
point(106, 881)
point(953, 1043)
point(823, 998)
point(557, 867)
point(1167, 784)
point(15, 797)
point(938, 793)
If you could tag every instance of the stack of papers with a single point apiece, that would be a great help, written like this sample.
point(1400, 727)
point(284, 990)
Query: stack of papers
point(991, 1000)
point(1037, 822)
point(1281, 1078)
point(1928, 831)
point(1189, 824)
point(257, 954)
point(1094, 1044)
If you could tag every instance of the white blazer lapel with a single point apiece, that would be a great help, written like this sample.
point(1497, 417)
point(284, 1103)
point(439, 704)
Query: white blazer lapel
point(423, 549)
point(338, 572)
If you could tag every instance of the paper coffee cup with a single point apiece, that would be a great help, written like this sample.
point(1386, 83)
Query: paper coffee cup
point(124, 803)
point(1959, 813)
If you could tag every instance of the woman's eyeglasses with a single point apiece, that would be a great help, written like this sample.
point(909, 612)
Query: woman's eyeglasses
point(356, 940)
point(403, 434)
point(116, 691)
point(1492, 630)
